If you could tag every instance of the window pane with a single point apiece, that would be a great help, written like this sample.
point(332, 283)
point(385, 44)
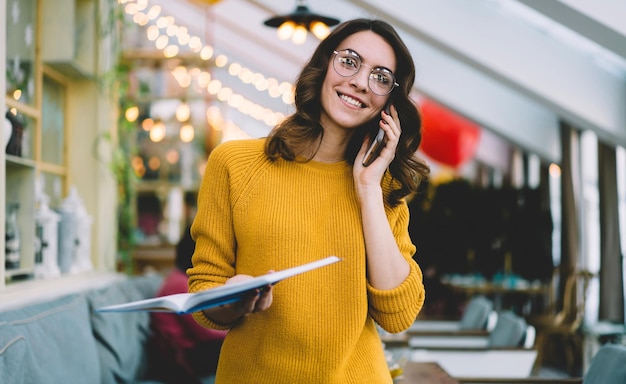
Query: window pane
point(620, 153)
point(53, 123)
point(590, 220)
point(53, 188)
point(20, 50)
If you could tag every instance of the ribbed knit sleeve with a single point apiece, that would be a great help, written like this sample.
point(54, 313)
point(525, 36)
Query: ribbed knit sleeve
point(396, 309)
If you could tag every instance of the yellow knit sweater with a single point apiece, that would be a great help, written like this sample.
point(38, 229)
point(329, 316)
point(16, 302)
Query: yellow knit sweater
point(254, 216)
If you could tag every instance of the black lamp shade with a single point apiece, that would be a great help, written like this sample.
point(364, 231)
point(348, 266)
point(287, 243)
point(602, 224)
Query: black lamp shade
point(301, 15)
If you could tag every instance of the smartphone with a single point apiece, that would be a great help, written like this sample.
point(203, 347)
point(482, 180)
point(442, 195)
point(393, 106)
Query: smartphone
point(377, 144)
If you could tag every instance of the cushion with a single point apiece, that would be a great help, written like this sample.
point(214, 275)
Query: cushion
point(121, 337)
point(476, 313)
point(509, 331)
point(148, 285)
point(38, 341)
point(12, 350)
point(607, 366)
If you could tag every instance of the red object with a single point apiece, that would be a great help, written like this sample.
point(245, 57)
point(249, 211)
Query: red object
point(447, 138)
point(183, 349)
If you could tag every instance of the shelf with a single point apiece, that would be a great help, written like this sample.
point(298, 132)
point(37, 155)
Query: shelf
point(20, 274)
point(18, 162)
point(20, 189)
point(158, 185)
point(33, 291)
point(154, 258)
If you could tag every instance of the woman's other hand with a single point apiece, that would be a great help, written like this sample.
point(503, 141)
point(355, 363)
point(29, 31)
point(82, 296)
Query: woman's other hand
point(254, 301)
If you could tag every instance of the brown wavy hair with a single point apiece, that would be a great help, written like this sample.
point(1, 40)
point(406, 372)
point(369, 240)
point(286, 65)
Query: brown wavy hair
point(303, 129)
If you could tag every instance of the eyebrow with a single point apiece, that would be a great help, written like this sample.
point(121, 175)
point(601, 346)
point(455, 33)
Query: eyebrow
point(360, 57)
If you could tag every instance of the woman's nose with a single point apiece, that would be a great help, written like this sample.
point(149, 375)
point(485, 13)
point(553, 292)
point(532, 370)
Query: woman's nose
point(361, 79)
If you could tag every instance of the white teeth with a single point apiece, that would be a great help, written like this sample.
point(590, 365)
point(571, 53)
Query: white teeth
point(351, 101)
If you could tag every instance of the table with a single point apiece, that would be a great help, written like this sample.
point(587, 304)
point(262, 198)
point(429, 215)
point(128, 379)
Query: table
point(426, 373)
point(159, 258)
point(468, 286)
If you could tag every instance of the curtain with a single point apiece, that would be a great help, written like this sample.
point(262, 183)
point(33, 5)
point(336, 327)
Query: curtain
point(611, 276)
point(570, 180)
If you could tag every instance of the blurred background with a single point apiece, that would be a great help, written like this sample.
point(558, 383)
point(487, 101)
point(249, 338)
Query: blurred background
point(524, 109)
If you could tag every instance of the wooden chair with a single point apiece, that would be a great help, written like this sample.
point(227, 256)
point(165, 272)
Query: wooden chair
point(564, 324)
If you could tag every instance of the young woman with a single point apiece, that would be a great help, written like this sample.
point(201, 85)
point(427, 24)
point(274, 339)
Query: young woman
point(303, 194)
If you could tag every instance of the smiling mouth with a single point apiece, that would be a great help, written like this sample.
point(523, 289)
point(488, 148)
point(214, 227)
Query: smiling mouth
point(351, 101)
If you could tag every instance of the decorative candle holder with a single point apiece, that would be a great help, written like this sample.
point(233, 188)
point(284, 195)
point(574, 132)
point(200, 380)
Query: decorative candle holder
point(12, 244)
point(74, 235)
point(47, 231)
point(14, 146)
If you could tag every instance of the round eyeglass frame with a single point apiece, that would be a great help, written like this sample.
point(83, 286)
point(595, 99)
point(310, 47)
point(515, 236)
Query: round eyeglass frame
point(369, 78)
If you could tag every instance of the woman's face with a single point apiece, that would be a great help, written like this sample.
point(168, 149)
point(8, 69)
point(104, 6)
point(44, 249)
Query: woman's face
point(348, 102)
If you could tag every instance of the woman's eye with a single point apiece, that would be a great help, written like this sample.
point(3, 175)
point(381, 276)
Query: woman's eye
point(380, 77)
point(349, 62)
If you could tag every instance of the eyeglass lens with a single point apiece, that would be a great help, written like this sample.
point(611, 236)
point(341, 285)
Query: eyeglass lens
point(381, 81)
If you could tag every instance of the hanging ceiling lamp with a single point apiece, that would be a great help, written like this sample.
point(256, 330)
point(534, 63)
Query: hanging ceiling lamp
point(296, 24)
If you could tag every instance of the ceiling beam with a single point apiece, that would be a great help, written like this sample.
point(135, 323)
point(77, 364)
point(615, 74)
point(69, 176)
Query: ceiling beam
point(584, 24)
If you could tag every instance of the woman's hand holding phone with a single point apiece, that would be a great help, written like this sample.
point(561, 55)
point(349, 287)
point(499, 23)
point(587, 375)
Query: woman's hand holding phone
point(368, 174)
point(377, 143)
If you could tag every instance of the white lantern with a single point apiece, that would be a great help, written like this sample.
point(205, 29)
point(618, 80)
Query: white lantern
point(67, 233)
point(74, 235)
point(82, 257)
point(46, 247)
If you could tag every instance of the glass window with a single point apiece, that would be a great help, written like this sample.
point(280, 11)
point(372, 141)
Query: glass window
point(20, 50)
point(555, 208)
point(53, 122)
point(53, 187)
point(621, 193)
point(620, 154)
point(590, 219)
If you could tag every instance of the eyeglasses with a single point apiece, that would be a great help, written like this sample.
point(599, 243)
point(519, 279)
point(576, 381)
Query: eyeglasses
point(347, 63)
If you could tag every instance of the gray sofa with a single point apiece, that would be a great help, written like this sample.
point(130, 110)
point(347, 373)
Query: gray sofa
point(65, 341)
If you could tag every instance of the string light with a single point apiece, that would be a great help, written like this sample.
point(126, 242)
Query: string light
point(186, 133)
point(131, 114)
point(160, 30)
point(183, 112)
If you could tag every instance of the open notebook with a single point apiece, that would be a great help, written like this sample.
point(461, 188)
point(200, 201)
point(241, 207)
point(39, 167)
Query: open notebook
point(184, 303)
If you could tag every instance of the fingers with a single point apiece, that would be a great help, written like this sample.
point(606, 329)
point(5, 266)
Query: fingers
point(264, 299)
point(248, 302)
point(391, 124)
point(257, 300)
